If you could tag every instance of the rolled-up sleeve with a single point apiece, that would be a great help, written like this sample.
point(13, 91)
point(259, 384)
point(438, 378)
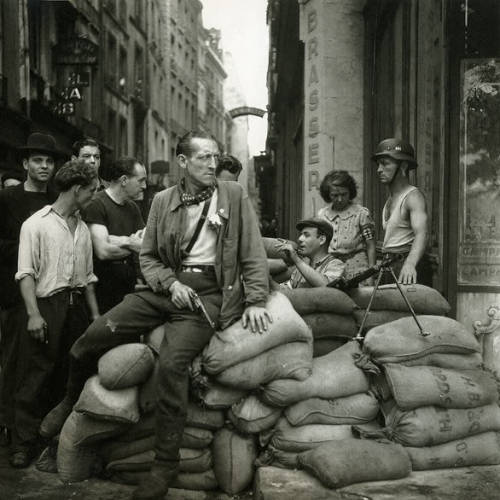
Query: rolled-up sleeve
point(28, 259)
point(157, 275)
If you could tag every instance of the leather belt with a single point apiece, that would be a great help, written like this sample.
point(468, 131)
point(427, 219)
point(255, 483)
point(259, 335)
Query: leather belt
point(197, 269)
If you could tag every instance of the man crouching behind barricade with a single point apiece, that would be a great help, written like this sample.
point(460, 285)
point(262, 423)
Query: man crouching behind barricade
point(201, 236)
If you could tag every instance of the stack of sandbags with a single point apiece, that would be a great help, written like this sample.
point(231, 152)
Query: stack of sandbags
point(329, 314)
point(388, 304)
point(279, 264)
point(319, 409)
point(438, 400)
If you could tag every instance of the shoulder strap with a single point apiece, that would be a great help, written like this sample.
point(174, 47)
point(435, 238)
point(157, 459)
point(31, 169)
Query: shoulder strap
point(197, 230)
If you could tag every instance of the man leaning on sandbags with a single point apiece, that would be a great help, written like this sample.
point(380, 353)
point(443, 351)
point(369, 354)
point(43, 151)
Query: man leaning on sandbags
point(201, 236)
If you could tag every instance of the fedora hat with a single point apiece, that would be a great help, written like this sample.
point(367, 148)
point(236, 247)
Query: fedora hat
point(41, 143)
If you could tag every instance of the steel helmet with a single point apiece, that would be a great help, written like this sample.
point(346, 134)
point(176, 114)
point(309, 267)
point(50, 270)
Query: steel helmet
point(396, 149)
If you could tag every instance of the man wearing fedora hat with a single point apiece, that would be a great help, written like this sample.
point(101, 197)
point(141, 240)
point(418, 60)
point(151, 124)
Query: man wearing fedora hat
point(314, 266)
point(16, 205)
point(404, 217)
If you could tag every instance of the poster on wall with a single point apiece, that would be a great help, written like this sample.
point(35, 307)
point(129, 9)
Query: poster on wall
point(479, 238)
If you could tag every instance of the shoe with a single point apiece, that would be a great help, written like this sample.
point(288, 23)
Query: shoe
point(21, 459)
point(54, 420)
point(155, 485)
point(47, 461)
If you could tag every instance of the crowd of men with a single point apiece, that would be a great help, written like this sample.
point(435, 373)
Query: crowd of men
point(81, 273)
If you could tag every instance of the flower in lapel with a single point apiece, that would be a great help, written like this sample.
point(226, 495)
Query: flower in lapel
point(214, 220)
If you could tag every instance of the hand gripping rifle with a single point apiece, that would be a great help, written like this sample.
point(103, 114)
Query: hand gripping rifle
point(385, 266)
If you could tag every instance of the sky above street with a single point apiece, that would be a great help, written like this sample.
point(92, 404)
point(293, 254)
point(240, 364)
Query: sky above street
point(245, 34)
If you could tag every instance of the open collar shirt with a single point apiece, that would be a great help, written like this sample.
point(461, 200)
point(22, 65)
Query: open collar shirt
point(55, 257)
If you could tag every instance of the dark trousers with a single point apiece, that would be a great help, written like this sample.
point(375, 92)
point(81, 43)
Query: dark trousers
point(186, 333)
point(116, 279)
point(41, 369)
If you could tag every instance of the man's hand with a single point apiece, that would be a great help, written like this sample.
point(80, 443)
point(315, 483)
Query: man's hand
point(134, 243)
point(181, 295)
point(119, 241)
point(257, 317)
point(408, 274)
point(288, 248)
point(37, 328)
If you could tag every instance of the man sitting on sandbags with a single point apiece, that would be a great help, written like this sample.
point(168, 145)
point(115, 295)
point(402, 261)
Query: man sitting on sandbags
point(201, 238)
point(314, 266)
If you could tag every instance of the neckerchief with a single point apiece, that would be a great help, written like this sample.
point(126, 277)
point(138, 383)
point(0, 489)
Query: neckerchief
point(193, 199)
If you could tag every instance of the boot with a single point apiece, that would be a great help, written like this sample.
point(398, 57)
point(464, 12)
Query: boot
point(54, 420)
point(155, 485)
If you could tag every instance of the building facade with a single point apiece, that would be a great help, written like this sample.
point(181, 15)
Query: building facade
point(428, 72)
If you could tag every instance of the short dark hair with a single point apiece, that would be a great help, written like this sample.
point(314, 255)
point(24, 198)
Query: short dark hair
point(229, 163)
point(78, 145)
point(74, 173)
point(340, 178)
point(184, 145)
point(12, 174)
point(122, 166)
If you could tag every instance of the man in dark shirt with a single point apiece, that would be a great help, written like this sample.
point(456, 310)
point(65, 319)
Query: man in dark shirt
point(116, 225)
point(16, 205)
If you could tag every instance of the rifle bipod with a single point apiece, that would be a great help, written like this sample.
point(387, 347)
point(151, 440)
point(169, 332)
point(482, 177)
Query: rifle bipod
point(386, 267)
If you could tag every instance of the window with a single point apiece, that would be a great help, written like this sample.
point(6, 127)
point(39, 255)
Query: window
point(139, 69)
point(123, 138)
point(111, 131)
point(111, 61)
point(122, 82)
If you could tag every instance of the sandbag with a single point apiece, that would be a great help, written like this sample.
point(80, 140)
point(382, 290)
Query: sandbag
point(341, 463)
point(355, 409)
point(272, 252)
point(401, 340)
point(217, 396)
point(473, 361)
point(423, 299)
point(204, 418)
point(334, 376)
point(125, 366)
point(303, 437)
point(121, 405)
point(198, 481)
point(319, 299)
point(236, 344)
point(251, 415)
point(74, 462)
point(290, 361)
point(481, 449)
point(154, 338)
point(272, 457)
point(190, 461)
point(324, 346)
point(413, 387)
point(234, 457)
point(377, 318)
point(432, 425)
point(325, 324)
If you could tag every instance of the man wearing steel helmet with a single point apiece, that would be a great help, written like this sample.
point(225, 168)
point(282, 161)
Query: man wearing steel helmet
point(404, 217)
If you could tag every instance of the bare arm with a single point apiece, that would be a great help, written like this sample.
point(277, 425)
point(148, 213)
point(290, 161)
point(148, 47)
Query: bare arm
point(91, 301)
point(371, 252)
point(37, 327)
point(103, 247)
point(415, 204)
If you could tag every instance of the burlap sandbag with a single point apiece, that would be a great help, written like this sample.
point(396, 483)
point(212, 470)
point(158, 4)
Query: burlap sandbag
point(481, 449)
point(290, 361)
point(423, 299)
point(401, 340)
point(190, 461)
point(273, 457)
point(416, 386)
point(303, 437)
point(74, 462)
point(319, 299)
point(324, 324)
point(197, 481)
point(355, 409)
point(121, 405)
point(324, 346)
point(334, 376)
point(377, 318)
point(432, 425)
point(251, 415)
point(234, 457)
point(204, 418)
point(341, 463)
point(125, 366)
point(217, 396)
point(236, 344)
point(270, 246)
